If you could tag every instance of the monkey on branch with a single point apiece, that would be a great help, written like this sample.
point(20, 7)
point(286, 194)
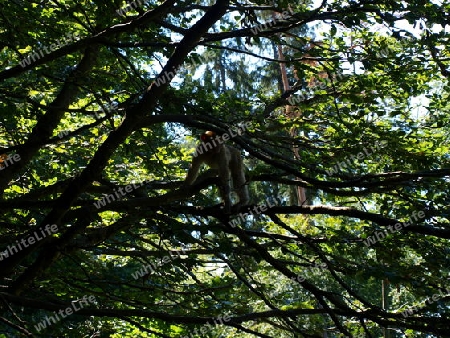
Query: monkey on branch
point(228, 161)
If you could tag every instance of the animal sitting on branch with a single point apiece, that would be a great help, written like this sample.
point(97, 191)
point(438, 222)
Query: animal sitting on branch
point(228, 161)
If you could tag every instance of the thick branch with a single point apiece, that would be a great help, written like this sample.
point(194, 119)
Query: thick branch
point(100, 159)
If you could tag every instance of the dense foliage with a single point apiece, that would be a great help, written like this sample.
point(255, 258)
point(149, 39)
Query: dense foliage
point(101, 103)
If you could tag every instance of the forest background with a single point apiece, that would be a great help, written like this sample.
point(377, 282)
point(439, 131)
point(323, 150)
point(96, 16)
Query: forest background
point(345, 112)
